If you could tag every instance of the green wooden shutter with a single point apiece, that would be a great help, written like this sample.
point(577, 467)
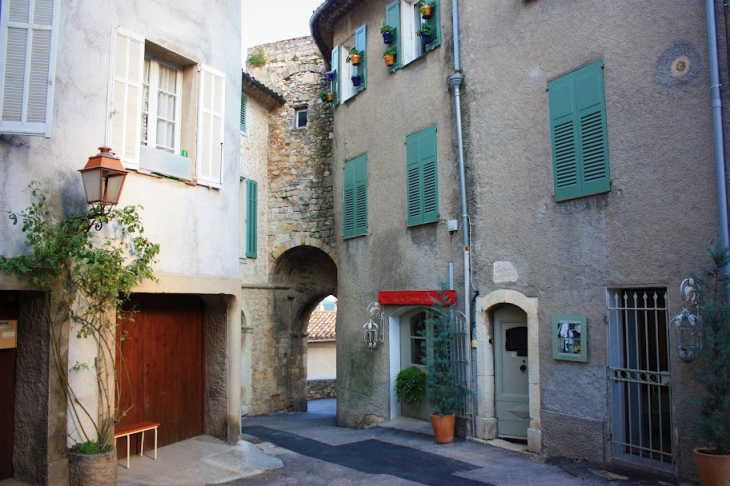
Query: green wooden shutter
point(392, 18)
point(435, 23)
point(355, 215)
point(335, 62)
point(422, 177)
point(252, 195)
point(361, 45)
point(244, 108)
point(579, 133)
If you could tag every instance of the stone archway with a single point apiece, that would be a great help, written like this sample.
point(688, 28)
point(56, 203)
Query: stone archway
point(302, 276)
point(486, 420)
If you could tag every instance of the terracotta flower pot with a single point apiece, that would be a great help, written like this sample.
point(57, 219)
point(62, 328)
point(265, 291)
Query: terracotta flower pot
point(330, 96)
point(355, 59)
point(96, 469)
point(714, 470)
point(443, 428)
point(389, 59)
point(426, 11)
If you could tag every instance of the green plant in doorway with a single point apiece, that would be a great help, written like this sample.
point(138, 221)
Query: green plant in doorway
point(410, 386)
point(86, 276)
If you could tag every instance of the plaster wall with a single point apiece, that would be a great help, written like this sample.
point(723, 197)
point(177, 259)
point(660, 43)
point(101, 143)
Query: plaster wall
point(648, 231)
point(376, 122)
point(321, 360)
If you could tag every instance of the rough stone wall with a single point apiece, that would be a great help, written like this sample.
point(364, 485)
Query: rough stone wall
point(299, 228)
point(319, 389)
point(300, 165)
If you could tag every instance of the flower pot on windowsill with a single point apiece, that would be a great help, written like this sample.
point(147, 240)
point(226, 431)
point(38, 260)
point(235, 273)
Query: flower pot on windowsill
point(426, 11)
point(356, 80)
point(389, 59)
point(426, 38)
point(387, 37)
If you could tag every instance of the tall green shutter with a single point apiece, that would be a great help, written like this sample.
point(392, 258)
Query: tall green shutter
point(244, 109)
point(435, 23)
point(355, 207)
point(392, 18)
point(251, 218)
point(361, 45)
point(422, 177)
point(579, 133)
point(335, 64)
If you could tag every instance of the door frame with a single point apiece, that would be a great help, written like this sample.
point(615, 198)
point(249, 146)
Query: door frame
point(394, 353)
point(515, 318)
point(486, 419)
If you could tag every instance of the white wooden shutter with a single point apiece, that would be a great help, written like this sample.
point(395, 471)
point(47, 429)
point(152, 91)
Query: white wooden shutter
point(209, 160)
point(123, 132)
point(28, 43)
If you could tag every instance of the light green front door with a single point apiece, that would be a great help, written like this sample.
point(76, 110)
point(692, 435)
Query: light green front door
point(510, 372)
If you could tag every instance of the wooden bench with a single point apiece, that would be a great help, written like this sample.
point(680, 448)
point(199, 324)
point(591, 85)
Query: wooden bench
point(137, 428)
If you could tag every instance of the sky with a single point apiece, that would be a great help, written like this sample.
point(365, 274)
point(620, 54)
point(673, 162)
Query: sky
point(265, 21)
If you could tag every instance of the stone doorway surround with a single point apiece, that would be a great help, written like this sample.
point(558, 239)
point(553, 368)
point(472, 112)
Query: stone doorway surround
point(486, 419)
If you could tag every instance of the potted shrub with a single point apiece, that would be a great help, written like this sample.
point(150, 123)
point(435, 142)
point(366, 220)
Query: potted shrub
point(86, 277)
point(354, 56)
point(389, 55)
point(410, 386)
point(442, 389)
point(426, 8)
point(325, 95)
point(425, 33)
point(388, 32)
point(712, 420)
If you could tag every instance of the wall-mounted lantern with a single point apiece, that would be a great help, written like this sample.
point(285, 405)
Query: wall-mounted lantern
point(372, 331)
point(103, 178)
point(686, 324)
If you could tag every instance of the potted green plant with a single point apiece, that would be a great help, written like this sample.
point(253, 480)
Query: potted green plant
point(354, 56)
point(390, 54)
point(427, 8)
point(442, 389)
point(425, 33)
point(410, 386)
point(86, 276)
point(325, 95)
point(388, 32)
point(711, 426)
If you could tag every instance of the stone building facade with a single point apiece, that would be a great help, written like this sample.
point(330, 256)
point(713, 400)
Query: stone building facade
point(294, 268)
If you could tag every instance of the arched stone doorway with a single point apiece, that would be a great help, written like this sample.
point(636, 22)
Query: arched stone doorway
point(302, 276)
point(486, 418)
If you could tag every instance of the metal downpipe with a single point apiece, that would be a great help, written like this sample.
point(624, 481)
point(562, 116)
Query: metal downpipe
point(455, 81)
point(717, 124)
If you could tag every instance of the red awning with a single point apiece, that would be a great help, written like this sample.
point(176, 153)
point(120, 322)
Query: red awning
point(417, 297)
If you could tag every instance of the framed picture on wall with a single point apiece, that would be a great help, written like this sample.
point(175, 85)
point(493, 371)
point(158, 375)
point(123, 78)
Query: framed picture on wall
point(570, 337)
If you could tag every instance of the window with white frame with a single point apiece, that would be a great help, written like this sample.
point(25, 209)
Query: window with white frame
point(350, 76)
point(300, 117)
point(28, 45)
point(416, 32)
point(157, 122)
point(161, 105)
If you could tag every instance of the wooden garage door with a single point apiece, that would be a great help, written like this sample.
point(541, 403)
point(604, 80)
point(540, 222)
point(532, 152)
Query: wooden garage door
point(163, 351)
point(8, 310)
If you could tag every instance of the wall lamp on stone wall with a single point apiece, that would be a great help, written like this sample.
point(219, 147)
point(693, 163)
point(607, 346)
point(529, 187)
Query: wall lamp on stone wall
point(372, 331)
point(103, 178)
point(686, 324)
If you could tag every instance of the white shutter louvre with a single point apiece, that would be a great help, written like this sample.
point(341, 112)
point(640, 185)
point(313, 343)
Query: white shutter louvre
point(28, 39)
point(209, 160)
point(124, 109)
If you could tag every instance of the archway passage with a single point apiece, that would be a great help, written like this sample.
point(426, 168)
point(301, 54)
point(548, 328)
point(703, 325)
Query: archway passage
point(303, 277)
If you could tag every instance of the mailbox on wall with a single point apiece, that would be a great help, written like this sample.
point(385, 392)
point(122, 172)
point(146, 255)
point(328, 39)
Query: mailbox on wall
point(8, 334)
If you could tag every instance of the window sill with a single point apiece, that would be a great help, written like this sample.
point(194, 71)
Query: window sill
point(165, 163)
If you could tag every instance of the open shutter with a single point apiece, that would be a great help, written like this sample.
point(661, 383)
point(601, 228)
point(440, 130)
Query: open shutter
point(251, 218)
point(392, 18)
point(422, 177)
point(28, 43)
point(435, 23)
point(124, 105)
point(209, 163)
point(355, 215)
point(361, 45)
point(335, 62)
point(579, 135)
point(591, 107)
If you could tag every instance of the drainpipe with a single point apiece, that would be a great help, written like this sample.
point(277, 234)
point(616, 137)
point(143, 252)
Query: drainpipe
point(455, 81)
point(717, 125)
